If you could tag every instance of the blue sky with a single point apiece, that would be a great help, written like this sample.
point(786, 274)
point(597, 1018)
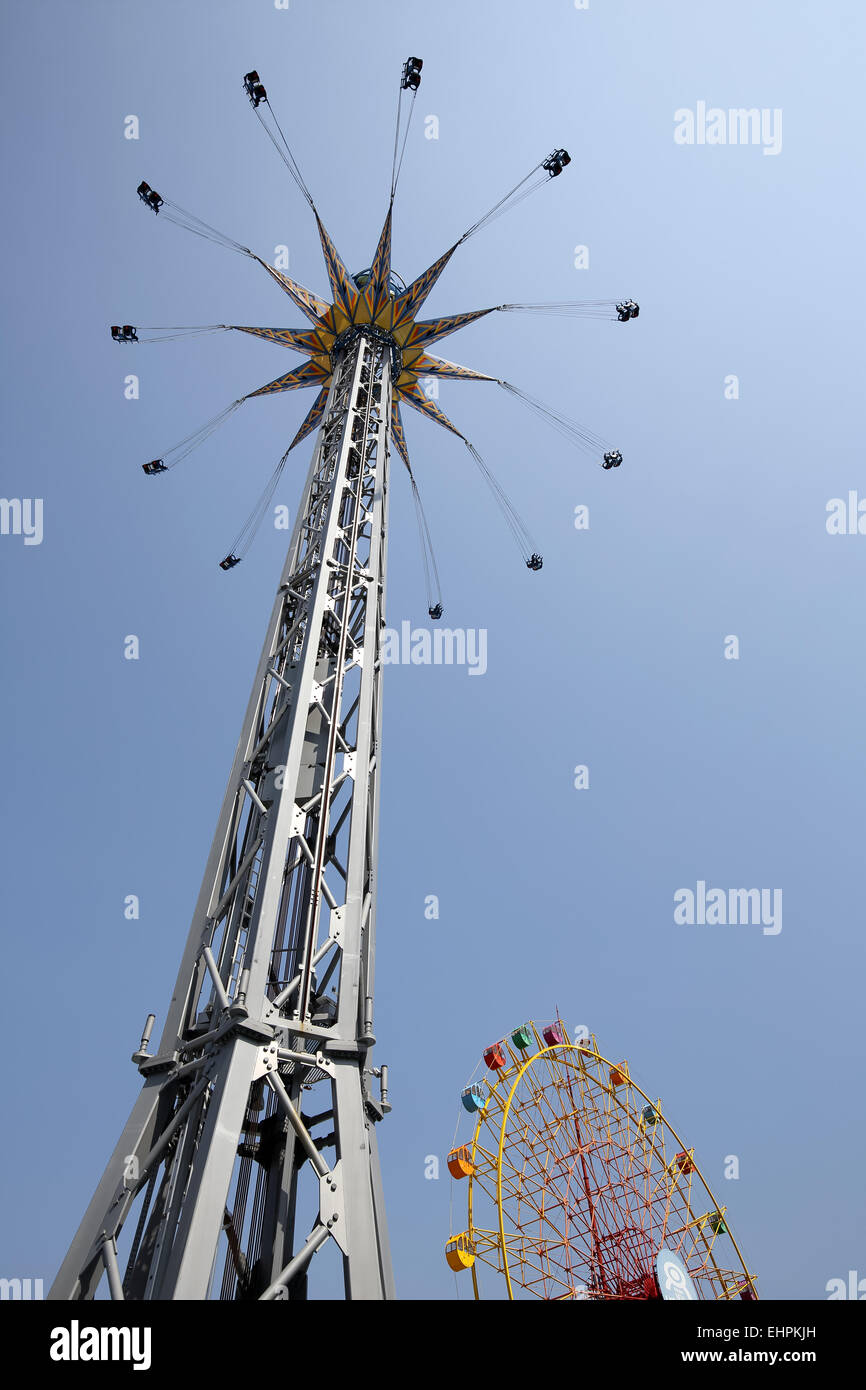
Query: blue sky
point(741, 773)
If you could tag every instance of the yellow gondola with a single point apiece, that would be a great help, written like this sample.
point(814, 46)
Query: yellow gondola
point(460, 1252)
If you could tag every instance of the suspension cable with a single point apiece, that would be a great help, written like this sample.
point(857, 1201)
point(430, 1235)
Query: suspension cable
point(247, 534)
point(396, 164)
point(431, 569)
point(167, 335)
point(396, 141)
point(513, 519)
point(283, 149)
point(505, 204)
point(571, 308)
point(572, 430)
point(173, 212)
point(173, 456)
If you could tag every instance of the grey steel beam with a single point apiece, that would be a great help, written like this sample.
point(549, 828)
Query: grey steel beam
point(290, 881)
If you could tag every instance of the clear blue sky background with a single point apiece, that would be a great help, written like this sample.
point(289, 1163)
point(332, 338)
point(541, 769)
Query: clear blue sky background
point(746, 773)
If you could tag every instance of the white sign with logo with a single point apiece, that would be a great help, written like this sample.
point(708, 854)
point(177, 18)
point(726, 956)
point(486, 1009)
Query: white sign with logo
point(674, 1279)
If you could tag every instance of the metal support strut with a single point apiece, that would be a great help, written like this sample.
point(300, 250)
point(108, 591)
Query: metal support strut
point(273, 1001)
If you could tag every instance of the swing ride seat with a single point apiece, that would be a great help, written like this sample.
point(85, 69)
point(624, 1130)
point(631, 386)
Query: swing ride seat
point(254, 89)
point(556, 162)
point(155, 466)
point(149, 196)
point(411, 78)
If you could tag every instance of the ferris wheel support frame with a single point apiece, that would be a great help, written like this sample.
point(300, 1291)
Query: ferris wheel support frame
point(553, 1052)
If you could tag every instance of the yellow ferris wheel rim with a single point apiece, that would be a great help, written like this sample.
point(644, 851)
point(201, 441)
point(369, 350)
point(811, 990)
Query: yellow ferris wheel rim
point(586, 1049)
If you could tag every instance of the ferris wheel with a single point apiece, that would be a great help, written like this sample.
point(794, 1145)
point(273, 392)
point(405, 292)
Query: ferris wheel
point(575, 1185)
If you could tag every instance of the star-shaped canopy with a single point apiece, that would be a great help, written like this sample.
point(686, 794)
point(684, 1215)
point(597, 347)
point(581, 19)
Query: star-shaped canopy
point(375, 297)
point(377, 302)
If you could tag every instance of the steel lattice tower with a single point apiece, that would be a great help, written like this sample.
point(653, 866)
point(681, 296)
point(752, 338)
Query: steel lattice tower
point(289, 892)
point(253, 1140)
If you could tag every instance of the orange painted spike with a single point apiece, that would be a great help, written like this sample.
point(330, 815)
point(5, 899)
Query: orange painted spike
point(460, 1163)
point(495, 1057)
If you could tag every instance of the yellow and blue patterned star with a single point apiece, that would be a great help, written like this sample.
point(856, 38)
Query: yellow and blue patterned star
point(377, 299)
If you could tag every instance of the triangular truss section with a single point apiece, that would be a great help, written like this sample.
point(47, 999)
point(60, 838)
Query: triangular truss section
point(377, 294)
point(312, 418)
point(410, 301)
point(398, 434)
point(309, 303)
point(437, 366)
point(307, 375)
point(415, 397)
point(343, 288)
point(431, 330)
point(301, 339)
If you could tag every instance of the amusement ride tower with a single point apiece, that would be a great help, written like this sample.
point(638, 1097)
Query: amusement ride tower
point(253, 1141)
